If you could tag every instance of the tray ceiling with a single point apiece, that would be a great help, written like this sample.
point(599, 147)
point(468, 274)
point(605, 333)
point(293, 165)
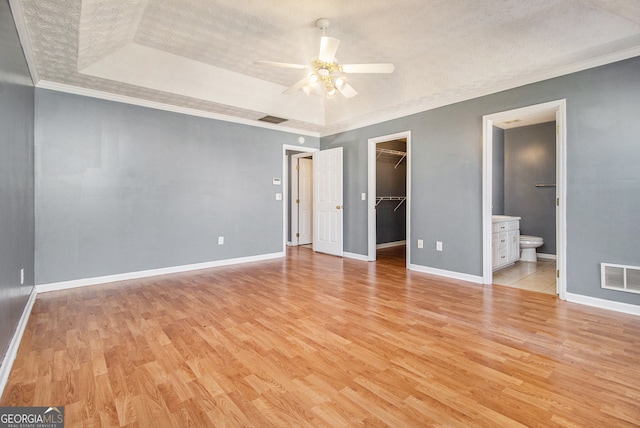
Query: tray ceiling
point(199, 55)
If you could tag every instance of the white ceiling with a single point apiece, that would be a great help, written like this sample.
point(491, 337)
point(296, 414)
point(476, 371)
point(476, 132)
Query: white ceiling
point(199, 55)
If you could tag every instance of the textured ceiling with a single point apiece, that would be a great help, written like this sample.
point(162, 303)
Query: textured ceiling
point(200, 54)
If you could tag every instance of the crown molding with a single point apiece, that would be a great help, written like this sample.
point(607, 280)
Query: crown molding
point(372, 119)
point(564, 70)
point(25, 40)
point(92, 93)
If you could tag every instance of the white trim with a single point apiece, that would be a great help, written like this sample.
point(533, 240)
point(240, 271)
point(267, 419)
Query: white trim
point(357, 124)
point(92, 93)
point(446, 273)
point(25, 40)
point(55, 286)
point(605, 59)
point(12, 351)
point(560, 108)
point(391, 244)
point(371, 189)
point(285, 188)
point(355, 256)
point(610, 305)
point(546, 256)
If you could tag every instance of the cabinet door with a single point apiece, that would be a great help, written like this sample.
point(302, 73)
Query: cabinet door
point(495, 261)
point(514, 245)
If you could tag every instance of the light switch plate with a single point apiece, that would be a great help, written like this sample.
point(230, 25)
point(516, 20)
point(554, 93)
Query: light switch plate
point(278, 196)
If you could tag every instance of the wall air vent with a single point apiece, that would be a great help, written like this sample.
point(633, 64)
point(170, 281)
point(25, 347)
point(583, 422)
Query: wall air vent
point(620, 277)
point(272, 119)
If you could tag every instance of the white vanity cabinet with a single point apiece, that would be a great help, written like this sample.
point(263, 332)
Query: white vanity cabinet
point(505, 241)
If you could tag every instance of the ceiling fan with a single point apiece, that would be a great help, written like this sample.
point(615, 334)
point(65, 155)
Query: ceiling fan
point(324, 73)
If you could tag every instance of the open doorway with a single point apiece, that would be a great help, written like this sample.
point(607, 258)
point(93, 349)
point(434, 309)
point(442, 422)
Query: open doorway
point(301, 199)
point(290, 154)
point(499, 209)
point(389, 189)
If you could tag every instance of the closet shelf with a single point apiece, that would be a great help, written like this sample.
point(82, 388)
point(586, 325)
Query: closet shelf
point(391, 198)
point(392, 152)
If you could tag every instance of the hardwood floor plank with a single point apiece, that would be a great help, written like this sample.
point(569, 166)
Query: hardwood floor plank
point(316, 340)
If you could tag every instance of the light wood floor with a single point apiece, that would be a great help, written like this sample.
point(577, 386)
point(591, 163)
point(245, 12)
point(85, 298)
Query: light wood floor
point(315, 340)
point(537, 276)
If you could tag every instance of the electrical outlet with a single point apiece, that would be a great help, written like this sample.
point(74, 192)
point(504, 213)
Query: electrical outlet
point(364, 196)
point(220, 240)
point(438, 246)
point(420, 243)
point(278, 196)
point(21, 276)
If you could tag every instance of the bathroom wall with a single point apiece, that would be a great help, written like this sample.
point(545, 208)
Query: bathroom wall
point(529, 159)
point(391, 226)
point(498, 172)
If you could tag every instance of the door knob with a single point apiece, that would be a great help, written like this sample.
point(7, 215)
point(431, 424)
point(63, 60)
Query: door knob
point(338, 207)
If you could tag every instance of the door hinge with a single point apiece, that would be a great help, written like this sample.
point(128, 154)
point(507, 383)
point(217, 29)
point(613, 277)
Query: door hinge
point(558, 129)
point(558, 273)
point(297, 167)
point(557, 202)
point(297, 235)
point(297, 201)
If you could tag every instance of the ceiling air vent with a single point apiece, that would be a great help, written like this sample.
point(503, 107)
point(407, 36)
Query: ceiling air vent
point(272, 119)
point(620, 277)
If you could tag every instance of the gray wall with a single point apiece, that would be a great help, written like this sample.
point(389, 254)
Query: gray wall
point(497, 191)
point(16, 179)
point(603, 154)
point(391, 224)
point(121, 188)
point(529, 159)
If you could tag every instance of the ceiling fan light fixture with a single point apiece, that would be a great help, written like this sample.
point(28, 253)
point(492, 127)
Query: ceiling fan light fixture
point(313, 78)
point(331, 92)
point(339, 82)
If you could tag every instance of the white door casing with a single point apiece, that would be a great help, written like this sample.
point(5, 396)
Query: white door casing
point(371, 217)
point(560, 109)
point(328, 201)
point(305, 201)
point(285, 184)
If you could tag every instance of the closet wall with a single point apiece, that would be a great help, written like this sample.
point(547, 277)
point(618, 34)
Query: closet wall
point(391, 189)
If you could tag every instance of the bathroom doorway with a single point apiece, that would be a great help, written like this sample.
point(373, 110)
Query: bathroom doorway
point(527, 273)
point(389, 190)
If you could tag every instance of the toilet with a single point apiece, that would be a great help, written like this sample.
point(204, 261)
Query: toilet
point(528, 245)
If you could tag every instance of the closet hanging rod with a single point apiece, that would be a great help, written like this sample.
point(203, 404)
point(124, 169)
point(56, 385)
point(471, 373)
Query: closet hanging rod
point(391, 198)
point(545, 185)
point(391, 152)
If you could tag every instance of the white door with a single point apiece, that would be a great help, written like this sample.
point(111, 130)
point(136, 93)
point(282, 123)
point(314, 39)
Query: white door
point(327, 201)
point(305, 201)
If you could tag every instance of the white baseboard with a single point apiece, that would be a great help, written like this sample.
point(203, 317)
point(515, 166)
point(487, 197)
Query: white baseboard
point(55, 286)
point(12, 351)
point(355, 256)
point(447, 273)
point(391, 244)
point(595, 302)
point(546, 256)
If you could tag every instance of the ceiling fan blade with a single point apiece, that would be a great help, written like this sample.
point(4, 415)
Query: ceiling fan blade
point(328, 49)
point(281, 64)
point(348, 91)
point(368, 68)
point(296, 86)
